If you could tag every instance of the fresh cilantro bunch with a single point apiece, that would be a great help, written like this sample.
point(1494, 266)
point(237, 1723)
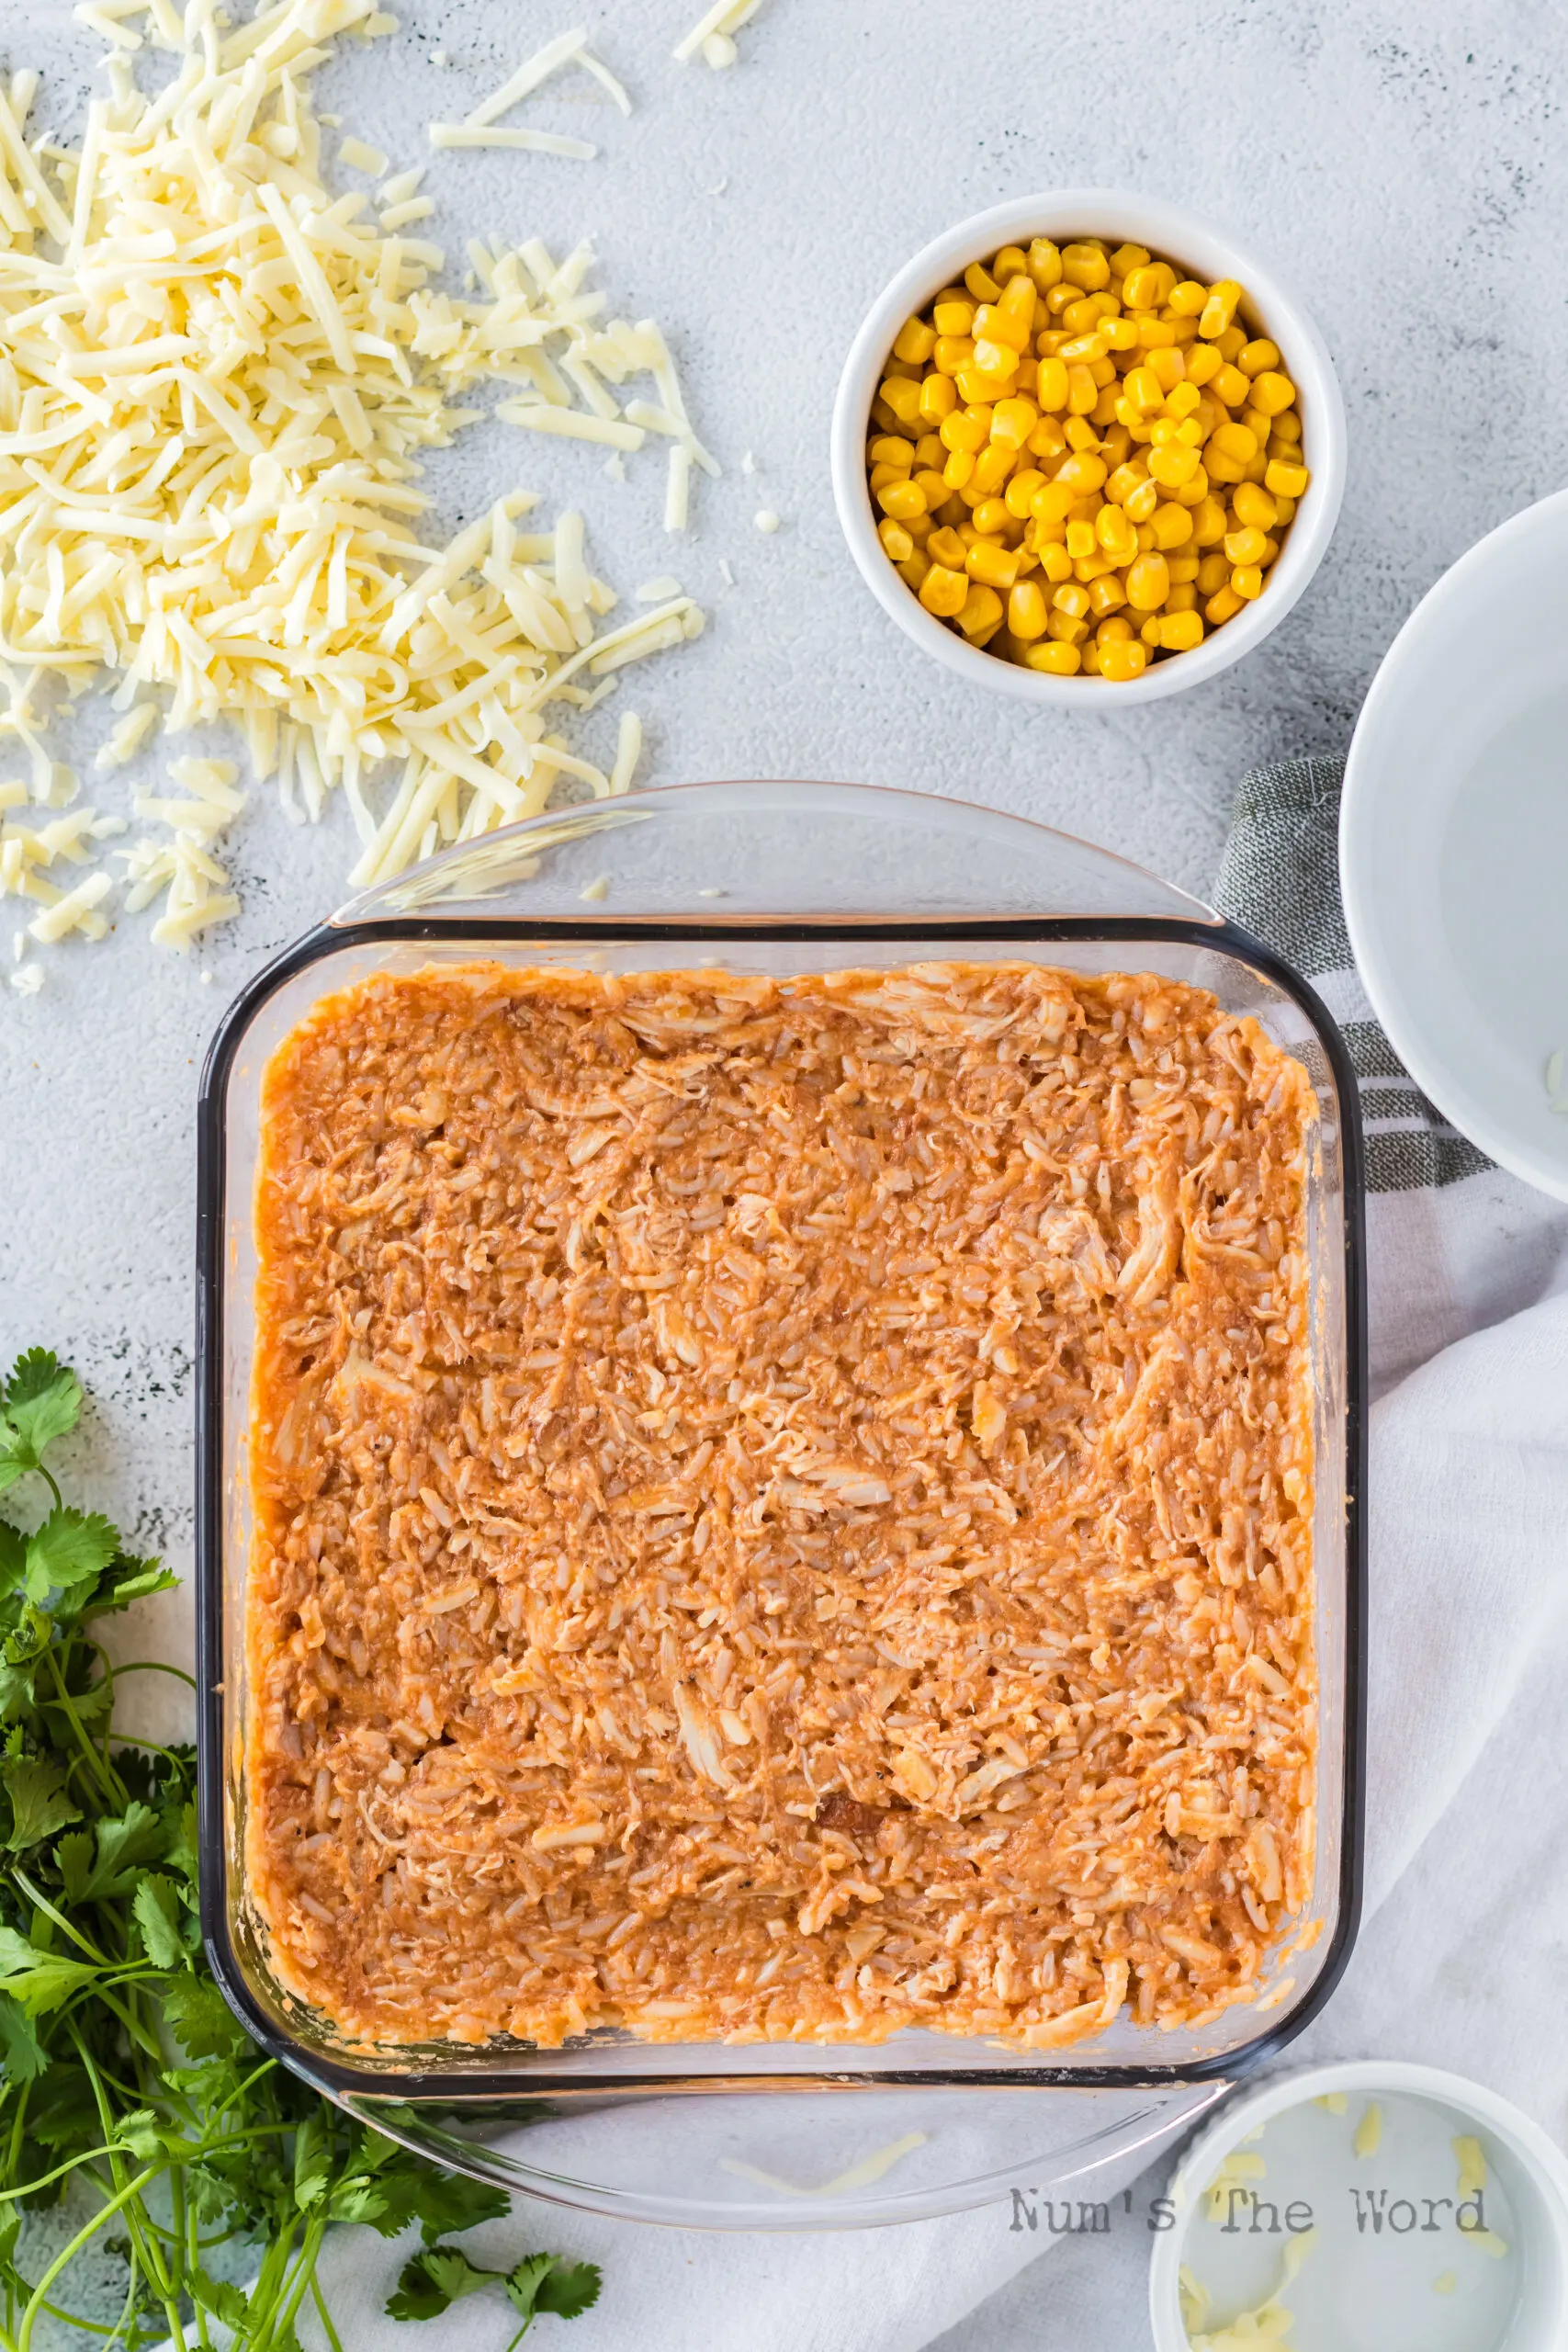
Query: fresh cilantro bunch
point(122, 2066)
point(432, 2281)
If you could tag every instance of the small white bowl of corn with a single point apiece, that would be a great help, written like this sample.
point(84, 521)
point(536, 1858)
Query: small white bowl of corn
point(1087, 450)
point(1353, 2208)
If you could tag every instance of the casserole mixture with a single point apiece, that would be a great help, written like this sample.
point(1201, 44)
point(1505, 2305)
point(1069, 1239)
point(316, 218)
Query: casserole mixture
point(782, 1507)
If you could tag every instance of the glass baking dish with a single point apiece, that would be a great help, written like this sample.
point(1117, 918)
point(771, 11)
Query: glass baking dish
point(777, 878)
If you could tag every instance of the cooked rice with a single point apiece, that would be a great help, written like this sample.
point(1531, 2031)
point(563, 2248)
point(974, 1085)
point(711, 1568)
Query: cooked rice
point(782, 1507)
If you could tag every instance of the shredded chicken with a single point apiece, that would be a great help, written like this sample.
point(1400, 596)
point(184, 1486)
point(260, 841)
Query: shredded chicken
point(782, 1507)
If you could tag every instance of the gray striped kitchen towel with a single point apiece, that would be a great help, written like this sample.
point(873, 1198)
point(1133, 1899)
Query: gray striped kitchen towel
point(1279, 878)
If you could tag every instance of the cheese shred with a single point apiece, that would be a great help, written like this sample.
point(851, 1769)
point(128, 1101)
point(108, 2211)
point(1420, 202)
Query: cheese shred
point(218, 380)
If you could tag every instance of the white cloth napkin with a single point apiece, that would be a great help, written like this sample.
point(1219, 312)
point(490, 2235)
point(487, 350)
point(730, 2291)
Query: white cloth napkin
point(1459, 1962)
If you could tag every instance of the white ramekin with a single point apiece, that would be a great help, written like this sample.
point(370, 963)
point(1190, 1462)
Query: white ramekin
point(1539, 2323)
point(1112, 213)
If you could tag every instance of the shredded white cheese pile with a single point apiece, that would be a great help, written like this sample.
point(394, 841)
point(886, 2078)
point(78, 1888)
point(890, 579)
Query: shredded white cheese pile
point(216, 380)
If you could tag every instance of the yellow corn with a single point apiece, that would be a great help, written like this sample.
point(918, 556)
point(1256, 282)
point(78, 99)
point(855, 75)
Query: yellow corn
point(1179, 632)
point(901, 499)
point(1112, 416)
point(1027, 610)
point(1056, 660)
point(1123, 659)
point(1172, 525)
point(1286, 480)
point(1246, 545)
point(992, 468)
point(914, 342)
point(943, 591)
point(1254, 506)
point(1219, 310)
point(990, 562)
point(1148, 583)
point(981, 615)
point(1013, 421)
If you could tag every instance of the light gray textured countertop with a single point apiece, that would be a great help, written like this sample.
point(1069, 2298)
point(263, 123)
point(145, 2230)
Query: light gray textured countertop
point(1401, 167)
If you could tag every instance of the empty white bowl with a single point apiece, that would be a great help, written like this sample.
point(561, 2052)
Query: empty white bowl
point(1114, 214)
point(1454, 844)
point(1376, 2274)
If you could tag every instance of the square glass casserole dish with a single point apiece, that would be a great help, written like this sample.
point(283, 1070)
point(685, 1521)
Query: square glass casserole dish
point(778, 879)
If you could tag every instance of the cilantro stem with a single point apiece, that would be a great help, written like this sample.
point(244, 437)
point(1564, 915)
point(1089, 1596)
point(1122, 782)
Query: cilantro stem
point(148, 1665)
point(323, 2314)
point(109, 1779)
point(68, 2252)
point(83, 1943)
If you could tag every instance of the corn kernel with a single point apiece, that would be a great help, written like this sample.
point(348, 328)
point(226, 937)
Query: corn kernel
point(1284, 512)
point(900, 499)
point(1214, 573)
point(1051, 384)
point(1168, 364)
point(1020, 493)
point(1027, 610)
point(1232, 344)
point(952, 352)
point(1186, 298)
point(1257, 423)
point(1055, 562)
point(1245, 546)
point(1254, 358)
point(1044, 264)
point(929, 450)
point(1140, 505)
point(1047, 440)
point(892, 450)
point(1129, 257)
point(934, 485)
point(1172, 525)
point(1284, 480)
point(1247, 581)
point(895, 539)
point(991, 517)
point(1221, 606)
point(1082, 317)
point(1081, 540)
point(902, 397)
point(1079, 434)
point(1056, 660)
point(1273, 393)
point(959, 468)
point(1083, 392)
point(1194, 490)
point(1083, 473)
point(1089, 567)
point(953, 316)
point(1182, 598)
point(1179, 632)
point(938, 398)
point(882, 475)
point(1287, 427)
point(1105, 594)
point(1148, 583)
point(977, 387)
point(915, 341)
point(1208, 524)
point(1008, 263)
point(1071, 599)
point(1085, 347)
point(943, 591)
point(914, 570)
point(1117, 629)
point(959, 430)
point(1219, 310)
point(1203, 364)
point(1052, 503)
point(999, 359)
point(989, 561)
point(1183, 569)
point(980, 282)
point(1228, 384)
point(1066, 630)
point(1184, 401)
point(1013, 421)
point(1060, 299)
point(1254, 506)
point(1116, 535)
point(1154, 332)
point(1144, 389)
point(1122, 660)
point(1103, 415)
point(1088, 653)
point(1149, 288)
point(992, 468)
point(1120, 334)
point(1173, 465)
point(982, 612)
point(946, 546)
point(1086, 265)
point(1270, 550)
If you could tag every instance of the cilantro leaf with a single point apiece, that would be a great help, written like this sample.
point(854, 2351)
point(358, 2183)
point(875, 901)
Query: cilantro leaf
point(70, 1548)
point(569, 2289)
point(13, 1556)
point(42, 1400)
point(38, 1981)
point(201, 2020)
point(39, 1804)
point(158, 1912)
point(20, 2046)
point(410, 2191)
point(132, 1579)
point(126, 1843)
point(430, 2283)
